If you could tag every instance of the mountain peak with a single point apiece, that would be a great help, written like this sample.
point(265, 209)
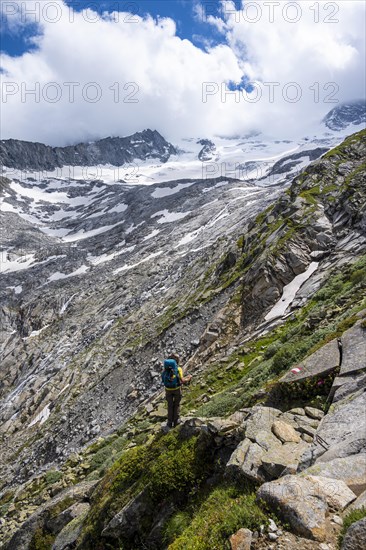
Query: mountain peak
point(346, 114)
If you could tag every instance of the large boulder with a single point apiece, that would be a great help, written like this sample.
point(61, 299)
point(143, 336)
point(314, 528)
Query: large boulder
point(335, 492)
point(246, 461)
point(285, 432)
point(292, 498)
point(129, 520)
point(353, 350)
point(319, 363)
point(284, 459)
point(341, 432)
point(359, 503)
point(351, 470)
point(356, 536)
point(69, 534)
point(304, 502)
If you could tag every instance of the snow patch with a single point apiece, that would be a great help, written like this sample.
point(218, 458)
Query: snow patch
point(22, 262)
point(128, 267)
point(289, 292)
point(119, 208)
point(66, 304)
point(168, 217)
point(108, 324)
point(42, 416)
point(36, 332)
point(58, 275)
point(80, 235)
point(17, 289)
point(151, 235)
point(103, 258)
point(161, 192)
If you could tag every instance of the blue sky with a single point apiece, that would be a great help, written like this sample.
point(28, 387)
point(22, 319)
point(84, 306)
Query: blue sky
point(181, 11)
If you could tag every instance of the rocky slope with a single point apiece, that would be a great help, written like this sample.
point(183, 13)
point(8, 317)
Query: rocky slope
point(83, 351)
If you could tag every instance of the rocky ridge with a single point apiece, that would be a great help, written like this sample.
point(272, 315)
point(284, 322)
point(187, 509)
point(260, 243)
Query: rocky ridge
point(117, 151)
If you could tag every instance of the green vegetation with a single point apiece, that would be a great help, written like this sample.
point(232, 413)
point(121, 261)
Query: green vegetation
point(41, 540)
point(106, 454)
point(351, 518)
point(52, 476)
point(171, 467)
point(208, 526)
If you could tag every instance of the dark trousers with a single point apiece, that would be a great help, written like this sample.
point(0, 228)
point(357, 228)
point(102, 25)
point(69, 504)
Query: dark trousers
point(173, 398)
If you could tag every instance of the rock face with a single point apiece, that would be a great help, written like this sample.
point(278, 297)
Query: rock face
point(341, 432)
point(354, 350)
point(102, 279)
point(319, 363)
point(208, 151)
point(285, 432)
point(283, 251)
point(117, 151)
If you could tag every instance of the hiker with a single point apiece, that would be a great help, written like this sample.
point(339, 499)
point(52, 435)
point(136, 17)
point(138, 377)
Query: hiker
point(173, 379)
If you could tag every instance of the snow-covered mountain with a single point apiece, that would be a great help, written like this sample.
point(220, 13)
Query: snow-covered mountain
point(342, 116)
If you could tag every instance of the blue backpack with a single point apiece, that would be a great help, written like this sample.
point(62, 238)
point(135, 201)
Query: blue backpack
point(170, 376)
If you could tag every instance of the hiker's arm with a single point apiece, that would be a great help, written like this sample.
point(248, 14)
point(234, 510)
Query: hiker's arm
point(186, 379)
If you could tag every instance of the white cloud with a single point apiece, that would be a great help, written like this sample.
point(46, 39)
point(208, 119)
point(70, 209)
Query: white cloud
point(167, 73)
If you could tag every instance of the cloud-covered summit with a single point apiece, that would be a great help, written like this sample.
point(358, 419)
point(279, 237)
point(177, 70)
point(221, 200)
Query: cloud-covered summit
point(92, 76)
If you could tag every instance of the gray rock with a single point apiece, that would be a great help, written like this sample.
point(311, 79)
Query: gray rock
point(299, 411)
point(293, 499)
point(355, 536)
point(267, 440)
point(282, 460)
point(246, 461)
point(317, 414)
point(55, 524)
point(351, 470)
point(285, 432)
point(353, 350)
point(319, 363)
point(261, 418)
point(335, 492)
point(69, 534)
point(342, 431)
point(359, 503)
point(127, 523)
point(22, 538)
point(343, 386)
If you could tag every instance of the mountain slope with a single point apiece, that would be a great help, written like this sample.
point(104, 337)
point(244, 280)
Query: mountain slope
point(75, 372)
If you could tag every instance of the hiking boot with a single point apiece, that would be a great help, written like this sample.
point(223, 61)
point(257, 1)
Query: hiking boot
point(177, 422)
